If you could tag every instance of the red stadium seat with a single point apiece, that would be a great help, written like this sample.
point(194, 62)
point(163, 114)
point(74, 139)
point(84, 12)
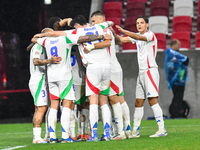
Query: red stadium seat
point(182, 24)
point(197, 40)
point(135, 9)
point(129, 46)
point(184, 38)
point(113, 9)
point(130, 24)
point(145, 1)
point(161, 39)
point(117, 21)
point(198, 23)
point(159, 8)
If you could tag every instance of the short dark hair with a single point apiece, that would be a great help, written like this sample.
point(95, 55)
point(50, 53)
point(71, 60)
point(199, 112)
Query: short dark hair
point(53, 21)
point(146, 19)
point(54, 24)
point(97, 13)
point(80, 19)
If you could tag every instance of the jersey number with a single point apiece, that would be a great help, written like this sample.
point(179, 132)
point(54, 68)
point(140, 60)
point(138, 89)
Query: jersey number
point(73, 60)
point(96, 32)
point(43, 92)
point(54, 50)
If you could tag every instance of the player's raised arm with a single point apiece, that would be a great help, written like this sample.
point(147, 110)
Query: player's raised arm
point(52, 60)
point(132, 34)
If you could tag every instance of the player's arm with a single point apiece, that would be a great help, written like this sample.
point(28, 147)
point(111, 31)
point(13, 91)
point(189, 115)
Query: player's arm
point(88, 47)
point(52, 60)
point(93, 37)
point(50, 34)
point(30, 46)
point(118, 39)
point(64, 22)
point(132, 34)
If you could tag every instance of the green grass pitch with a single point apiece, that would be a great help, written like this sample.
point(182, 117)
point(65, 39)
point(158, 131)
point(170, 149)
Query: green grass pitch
point(183, 134)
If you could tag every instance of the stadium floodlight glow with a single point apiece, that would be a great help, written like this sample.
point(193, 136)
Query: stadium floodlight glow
point(47, 2)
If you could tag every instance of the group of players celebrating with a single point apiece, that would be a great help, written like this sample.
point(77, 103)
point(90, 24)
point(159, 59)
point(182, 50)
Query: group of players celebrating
point(83, 72)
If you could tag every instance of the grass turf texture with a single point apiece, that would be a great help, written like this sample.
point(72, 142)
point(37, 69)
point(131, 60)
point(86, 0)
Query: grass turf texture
point(183, 134)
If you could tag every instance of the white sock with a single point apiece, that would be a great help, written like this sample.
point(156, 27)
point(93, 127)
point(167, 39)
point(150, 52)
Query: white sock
point(113, 128)
point(126, 116)
point(118, 117)
point(37, 133)
point(93, 114)
point(72, 124)
point(85, 112)
point(158, 114)
point(139, 112)
point(106, 117)
point(52, 119)
point(65, 122)
point(79, 123)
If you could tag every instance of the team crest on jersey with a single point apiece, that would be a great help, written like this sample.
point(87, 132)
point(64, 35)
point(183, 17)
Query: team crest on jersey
point(37, 53)
point(55, 41)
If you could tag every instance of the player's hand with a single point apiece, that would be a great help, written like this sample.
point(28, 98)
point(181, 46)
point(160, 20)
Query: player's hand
point(69, 21)
point(111, 29)
point(88, 47)
point(119, 28)
point(55, 60)
point(85, 50)
point(107, 37)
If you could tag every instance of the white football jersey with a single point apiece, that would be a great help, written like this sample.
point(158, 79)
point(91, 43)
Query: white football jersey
point(146, 51)
point(36, 72)
point(60, 46)
point(97, 56)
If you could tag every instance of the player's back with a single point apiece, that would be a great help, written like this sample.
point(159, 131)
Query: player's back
point(97, 56)
point(60, 46)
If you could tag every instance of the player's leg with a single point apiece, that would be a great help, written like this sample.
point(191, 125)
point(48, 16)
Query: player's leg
point(117, 111)
point(93, 115)
point(84, 120)
point(139, 109)
point(67, 96)
point(126, 116)
point(152, 87)
point(138, 114)
point(97, 79)
point(106, 116)
point(40, 100)
point(158, 114)
point(37, 122)
point(83, 110)
point(52, 118)
point(73, 122)
point(47, 136)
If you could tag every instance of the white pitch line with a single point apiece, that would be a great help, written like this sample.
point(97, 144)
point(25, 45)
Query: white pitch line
point(10, 148)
